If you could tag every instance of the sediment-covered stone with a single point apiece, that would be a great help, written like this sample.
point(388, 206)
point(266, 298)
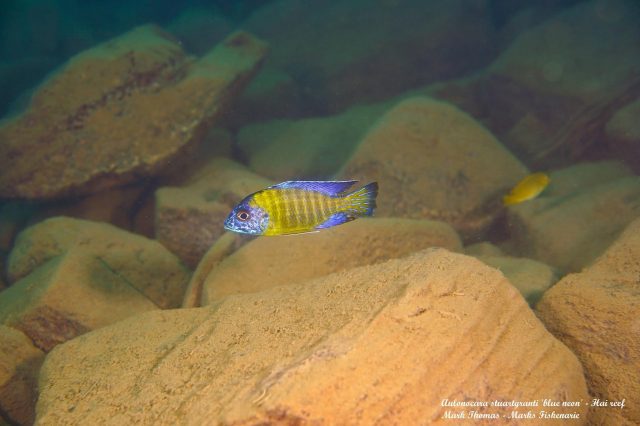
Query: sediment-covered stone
point(433, 161)
point(595, 313)
point(68, 296)
point(120, 111)
point(268, 262)
point(384, 343)
point(147, 265)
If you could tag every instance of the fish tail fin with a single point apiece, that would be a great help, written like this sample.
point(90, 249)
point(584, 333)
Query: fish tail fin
point(362, 201)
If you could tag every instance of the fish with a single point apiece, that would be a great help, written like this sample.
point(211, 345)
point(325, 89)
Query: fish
point(295, 207)
point(528, 188)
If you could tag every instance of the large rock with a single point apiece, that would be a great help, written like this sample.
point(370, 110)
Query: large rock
point(434, 161)
point(124, 109)
point(550, 94)
point(68, 296)
point(19, 366)
point(569, 230)
point(145, 264)
point(189, 218)
point(344, 53)
point(269, 262)
point(320, 145)
point(377, 344)
point(595, 313)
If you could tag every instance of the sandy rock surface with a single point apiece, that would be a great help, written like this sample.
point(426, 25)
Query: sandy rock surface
point(145, 264)
point(273, 261)
point(434, 161)
point(68, 296)
point(595, 313)
point(570, 231)
point(320, 145)
point(189, 218)
point(383, 343)
point(121, 110)
point(20, 362)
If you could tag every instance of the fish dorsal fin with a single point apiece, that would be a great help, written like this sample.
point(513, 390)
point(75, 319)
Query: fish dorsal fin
point(328, 187)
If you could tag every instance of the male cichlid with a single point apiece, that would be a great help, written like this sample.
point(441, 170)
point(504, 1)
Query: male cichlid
point(295, 207)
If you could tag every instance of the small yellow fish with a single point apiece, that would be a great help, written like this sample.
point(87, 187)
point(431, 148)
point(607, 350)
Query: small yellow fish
point(528, 188)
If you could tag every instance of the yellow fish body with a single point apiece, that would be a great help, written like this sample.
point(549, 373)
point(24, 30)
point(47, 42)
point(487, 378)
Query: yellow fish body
point(528, 188)
point(296, 207)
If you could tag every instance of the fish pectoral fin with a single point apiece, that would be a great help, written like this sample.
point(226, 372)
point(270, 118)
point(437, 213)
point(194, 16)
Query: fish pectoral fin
point(336, 219)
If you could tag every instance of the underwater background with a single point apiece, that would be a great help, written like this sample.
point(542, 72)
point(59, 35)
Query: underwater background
point(498, 281)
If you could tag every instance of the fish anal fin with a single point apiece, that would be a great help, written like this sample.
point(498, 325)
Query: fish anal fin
point(336, 219)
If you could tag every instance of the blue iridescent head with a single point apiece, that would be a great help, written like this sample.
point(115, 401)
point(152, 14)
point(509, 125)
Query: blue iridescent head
point(246, 219)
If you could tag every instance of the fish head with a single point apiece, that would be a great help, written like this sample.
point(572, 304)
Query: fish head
point(247, 218)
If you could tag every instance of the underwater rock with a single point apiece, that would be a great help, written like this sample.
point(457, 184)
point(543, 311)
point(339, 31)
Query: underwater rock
point(595, 313)
point(434, 161)
point(19, 365)
point(383, 343)
point(148, 266)
point(623, 134)
point(549, 95)
point(320, 145)
point(118, 112)
point(570, 230)
point(345, 53)
point(268, 262)
point(68, 296)
point(530, 277)
point(190, 218)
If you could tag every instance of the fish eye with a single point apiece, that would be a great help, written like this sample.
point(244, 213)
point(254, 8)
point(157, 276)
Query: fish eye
point(242, 215)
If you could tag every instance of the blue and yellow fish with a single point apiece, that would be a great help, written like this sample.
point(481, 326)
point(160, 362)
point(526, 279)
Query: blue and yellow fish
point(295, 207)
